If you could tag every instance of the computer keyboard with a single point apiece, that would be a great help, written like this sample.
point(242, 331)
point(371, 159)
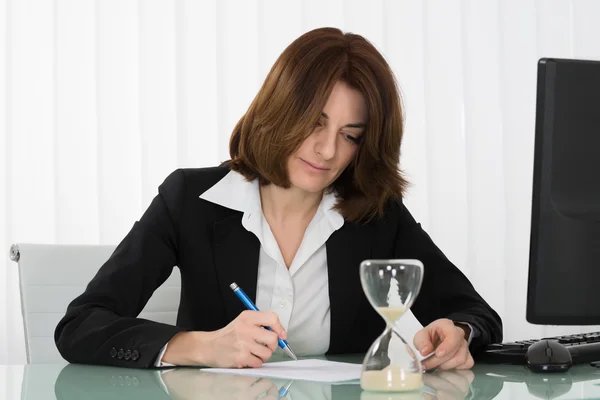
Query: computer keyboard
point(584, 348)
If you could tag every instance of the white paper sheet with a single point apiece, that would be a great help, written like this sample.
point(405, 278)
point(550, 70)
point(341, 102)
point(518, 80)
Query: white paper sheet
point(309, 370)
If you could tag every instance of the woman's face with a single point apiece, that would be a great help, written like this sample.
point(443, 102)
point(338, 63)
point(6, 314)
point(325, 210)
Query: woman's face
point(325, 154)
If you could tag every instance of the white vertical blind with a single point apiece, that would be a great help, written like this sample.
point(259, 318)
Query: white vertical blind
point(119, 137)
point(101, 99)
point(157, 93)
point(483, 132)
point(518, 55)
point(275, 32)
point(5, 283)
point(444, 128)
point(75, 130)
point(405, 33)
point(196, 76)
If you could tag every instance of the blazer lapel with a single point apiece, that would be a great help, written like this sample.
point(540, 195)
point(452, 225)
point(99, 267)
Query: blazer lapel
point(346, 249)
point(236, 254)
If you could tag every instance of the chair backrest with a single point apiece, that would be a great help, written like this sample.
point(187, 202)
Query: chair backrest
point(51, 276)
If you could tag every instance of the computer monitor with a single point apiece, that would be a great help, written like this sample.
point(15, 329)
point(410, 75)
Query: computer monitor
point(564, 259)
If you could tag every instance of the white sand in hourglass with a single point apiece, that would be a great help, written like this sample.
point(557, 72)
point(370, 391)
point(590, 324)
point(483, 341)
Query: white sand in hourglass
point(395, 308)
point(392, 313)
point(391, 379)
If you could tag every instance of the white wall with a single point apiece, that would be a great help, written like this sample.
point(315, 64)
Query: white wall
point(101, 99)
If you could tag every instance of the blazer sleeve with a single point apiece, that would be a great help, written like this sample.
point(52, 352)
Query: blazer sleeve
point(101, 325)
point(445, 291)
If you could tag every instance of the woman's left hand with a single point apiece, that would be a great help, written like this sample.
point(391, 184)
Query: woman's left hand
point(449, 342)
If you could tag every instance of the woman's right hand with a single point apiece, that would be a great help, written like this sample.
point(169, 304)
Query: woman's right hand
point(242, 343)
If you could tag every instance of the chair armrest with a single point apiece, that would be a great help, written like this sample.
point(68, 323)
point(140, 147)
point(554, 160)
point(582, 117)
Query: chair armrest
point(14, 253)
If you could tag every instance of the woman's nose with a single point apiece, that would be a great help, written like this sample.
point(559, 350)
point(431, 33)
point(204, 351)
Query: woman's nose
point(326, 144)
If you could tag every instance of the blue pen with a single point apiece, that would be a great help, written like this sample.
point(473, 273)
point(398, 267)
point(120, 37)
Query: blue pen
point(250, 306)
point(285, 390)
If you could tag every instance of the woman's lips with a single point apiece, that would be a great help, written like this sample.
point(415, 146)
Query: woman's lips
point(315, 167)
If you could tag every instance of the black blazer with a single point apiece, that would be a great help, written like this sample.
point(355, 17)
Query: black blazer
point(212, 249)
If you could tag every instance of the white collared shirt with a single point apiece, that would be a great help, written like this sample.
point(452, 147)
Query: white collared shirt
point(300, 295)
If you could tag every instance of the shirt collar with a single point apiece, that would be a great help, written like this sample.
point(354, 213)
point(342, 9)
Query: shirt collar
point(235, 192)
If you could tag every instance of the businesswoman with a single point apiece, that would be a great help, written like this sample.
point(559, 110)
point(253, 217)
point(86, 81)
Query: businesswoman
point(311, 190)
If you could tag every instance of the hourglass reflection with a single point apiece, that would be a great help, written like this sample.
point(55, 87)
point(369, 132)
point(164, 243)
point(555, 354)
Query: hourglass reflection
point(391, 286)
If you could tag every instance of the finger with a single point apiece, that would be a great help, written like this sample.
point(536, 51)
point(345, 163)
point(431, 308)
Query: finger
point(268, 338)
point(431, 363)
point(459, 358)
point(251, 361)
point(261, 351)
point(452, 338)
point(422, 341)
point(467, 365)
point(437, 362)
point(270, 319)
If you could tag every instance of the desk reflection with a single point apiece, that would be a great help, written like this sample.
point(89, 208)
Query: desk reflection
point(490, 380)
point(450, 385)
point(483, 382)
point(92, 382)
point(187, 383)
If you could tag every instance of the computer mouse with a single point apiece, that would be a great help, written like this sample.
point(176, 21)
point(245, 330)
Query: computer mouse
point(548, 355)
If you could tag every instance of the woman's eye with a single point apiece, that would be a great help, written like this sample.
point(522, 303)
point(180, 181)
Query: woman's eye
point(354, 139)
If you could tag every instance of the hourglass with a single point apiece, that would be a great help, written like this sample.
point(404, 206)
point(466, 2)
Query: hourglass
point(391, 286)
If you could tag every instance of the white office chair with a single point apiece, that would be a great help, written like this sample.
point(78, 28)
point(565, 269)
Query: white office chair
point(51, 276)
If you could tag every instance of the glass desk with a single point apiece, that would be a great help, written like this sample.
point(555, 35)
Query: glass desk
point(71, 381)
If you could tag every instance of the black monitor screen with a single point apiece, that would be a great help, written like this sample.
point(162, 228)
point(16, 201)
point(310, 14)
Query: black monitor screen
point(564, 260)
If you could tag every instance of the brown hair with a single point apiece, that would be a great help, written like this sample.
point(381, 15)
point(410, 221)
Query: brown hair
point(290, 102)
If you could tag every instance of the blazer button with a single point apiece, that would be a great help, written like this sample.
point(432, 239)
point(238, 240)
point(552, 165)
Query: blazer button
point(127, 355)
point(120, 354)
point(113, 352)
point(135, 355)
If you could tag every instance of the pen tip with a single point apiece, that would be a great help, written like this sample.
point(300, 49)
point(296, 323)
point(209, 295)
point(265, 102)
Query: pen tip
point(287, 350)
point(233, 286)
